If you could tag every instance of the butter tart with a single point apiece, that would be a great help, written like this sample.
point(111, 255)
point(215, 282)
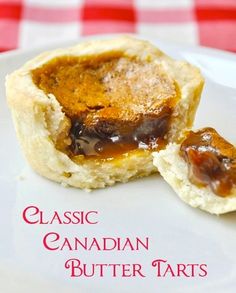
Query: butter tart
point(202, 170)
point(92, 115)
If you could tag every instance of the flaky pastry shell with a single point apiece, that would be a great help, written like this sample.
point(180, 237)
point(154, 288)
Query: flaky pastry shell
point(39, 119)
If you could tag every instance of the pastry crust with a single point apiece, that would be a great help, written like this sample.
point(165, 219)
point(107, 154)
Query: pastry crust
point(174, 170)
point(39, 119)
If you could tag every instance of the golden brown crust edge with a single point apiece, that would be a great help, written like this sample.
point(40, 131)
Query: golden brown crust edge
point(38, 117)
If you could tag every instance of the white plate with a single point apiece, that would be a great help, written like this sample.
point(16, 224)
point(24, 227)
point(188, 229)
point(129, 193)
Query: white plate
point(143, 208)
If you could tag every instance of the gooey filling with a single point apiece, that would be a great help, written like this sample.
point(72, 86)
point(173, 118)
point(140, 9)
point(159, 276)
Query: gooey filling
point(115, 103)
point(211, 161)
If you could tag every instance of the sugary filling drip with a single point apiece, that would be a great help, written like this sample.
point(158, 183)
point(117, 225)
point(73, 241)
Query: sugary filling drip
point(211, 161)
point(115, 103)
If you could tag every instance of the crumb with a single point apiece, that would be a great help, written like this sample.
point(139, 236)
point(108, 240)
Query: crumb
point(20, 177)
point(88, 190)
point(64, 184)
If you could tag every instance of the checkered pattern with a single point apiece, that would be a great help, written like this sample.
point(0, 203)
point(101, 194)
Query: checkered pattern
point(27, 23)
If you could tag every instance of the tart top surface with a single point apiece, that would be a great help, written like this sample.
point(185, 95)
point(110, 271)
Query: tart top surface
point(116, 103)
point(115, 86)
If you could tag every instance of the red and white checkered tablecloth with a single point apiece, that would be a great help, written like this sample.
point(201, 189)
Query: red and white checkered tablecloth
point(26, 23)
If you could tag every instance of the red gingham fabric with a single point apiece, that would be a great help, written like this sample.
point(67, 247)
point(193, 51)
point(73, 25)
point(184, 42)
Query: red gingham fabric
point(27, 23)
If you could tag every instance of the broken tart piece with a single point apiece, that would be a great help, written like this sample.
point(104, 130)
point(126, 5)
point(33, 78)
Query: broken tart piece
point(202, 170)
point(91, 115)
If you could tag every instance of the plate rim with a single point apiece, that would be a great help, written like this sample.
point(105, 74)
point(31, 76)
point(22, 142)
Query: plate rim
point(67, 43)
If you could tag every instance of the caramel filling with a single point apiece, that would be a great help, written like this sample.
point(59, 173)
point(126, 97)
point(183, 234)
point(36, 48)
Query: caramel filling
point(211, 161)
point(115, 103)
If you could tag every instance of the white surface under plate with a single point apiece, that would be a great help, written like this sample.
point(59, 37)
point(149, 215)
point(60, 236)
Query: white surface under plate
point(143, 208)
